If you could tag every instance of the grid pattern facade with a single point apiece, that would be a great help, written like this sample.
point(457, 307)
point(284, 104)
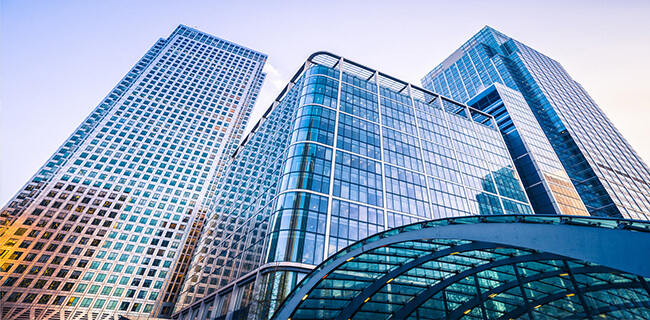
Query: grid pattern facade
point(107, 226)
point(232, 242)
point(365, 152)
point(413, 273)
point(609, 176)
point(547, 184)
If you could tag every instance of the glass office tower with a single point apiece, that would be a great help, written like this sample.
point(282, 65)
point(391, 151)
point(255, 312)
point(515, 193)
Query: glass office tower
point(107, 226)
point(343, 153)
point(547, 184)
point(609, 176)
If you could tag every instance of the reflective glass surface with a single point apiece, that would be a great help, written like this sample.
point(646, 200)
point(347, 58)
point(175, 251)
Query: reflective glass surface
point(346, 152)
point(454, 278)
point(538, 95)
point(107, 226)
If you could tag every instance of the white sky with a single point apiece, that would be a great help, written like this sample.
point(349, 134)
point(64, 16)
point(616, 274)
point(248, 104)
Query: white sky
point(58, 59)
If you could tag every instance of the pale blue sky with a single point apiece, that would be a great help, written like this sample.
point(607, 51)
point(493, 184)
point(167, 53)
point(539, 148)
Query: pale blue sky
point(58, 59)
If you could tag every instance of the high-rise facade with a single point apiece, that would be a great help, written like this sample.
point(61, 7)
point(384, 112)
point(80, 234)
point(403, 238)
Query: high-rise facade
point(343, 153)
point(547, 184)
point(610, 178)
point(107, 227)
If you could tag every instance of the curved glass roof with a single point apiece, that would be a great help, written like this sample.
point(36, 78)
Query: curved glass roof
point(437, 278)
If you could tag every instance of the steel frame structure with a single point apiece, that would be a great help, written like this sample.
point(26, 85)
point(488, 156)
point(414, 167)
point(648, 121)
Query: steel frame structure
point(580, 247)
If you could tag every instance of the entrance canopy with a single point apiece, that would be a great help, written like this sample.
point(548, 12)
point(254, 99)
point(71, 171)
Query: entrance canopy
point(485, 267)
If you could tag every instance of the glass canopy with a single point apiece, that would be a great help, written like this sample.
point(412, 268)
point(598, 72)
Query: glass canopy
point(447, 278)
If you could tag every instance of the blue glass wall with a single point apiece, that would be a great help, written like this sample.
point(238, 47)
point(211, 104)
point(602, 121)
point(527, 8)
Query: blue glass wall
point(547, 184)
point(609, 176)
point(355, 152)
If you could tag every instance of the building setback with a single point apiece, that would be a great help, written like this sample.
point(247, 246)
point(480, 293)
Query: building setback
point(611, 179)
point(107, 226)
point(343, 153)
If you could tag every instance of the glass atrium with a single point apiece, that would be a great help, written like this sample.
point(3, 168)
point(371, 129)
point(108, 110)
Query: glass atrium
point(448, 269)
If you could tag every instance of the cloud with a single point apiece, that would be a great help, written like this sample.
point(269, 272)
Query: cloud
point(273, 84)
point(274, 78)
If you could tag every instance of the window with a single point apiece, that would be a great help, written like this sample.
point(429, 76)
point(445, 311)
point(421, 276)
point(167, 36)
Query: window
point(81, 287)
point(86, 302)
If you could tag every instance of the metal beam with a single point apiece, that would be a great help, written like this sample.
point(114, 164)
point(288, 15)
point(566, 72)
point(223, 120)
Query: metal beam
point(479, 295)
point(615, 248)
point(485, 296)
point(520, 284)
point(409, 307)
point(613, 307)
point(548, 299)
point(576, 286)
point(369, 291)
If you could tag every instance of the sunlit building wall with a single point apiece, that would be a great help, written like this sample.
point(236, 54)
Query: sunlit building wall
point(107, 226)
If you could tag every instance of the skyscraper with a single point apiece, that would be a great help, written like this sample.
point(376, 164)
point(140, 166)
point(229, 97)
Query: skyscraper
point(107, 226)
point(548, 186)
point(343, 153)
point(609, 176)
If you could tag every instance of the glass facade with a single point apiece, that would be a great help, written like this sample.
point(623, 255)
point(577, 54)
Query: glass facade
point(107, 226)
point(547, 184)
point(435, 270)
point(156, 205)
point(610, 178)
point(344, 152)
